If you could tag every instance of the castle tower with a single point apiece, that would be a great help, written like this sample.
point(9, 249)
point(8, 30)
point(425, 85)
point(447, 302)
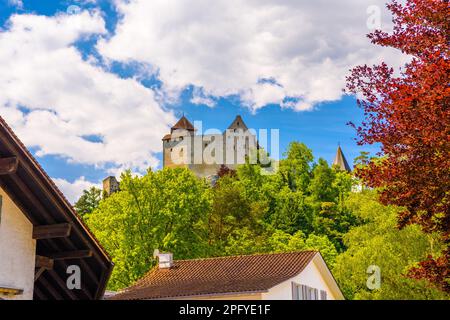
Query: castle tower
point(110, 185)
point(340, 161)
point(238, 123)
point(176, 152)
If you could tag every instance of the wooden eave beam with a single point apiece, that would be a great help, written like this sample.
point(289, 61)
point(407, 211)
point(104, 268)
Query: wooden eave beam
point(44, 262)
point(61, 230)
point(77, 254)
point(8, 165)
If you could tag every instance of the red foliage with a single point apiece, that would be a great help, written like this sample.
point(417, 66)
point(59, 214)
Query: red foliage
point(409, 116)
point(224, 170)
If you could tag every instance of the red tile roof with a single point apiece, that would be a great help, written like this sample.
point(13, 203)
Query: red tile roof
point(236, 274)
point(183, 123)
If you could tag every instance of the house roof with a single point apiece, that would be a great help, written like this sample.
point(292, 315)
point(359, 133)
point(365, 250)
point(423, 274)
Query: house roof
point(183, 123)
point(340, 160)
point(35, 193)
point(224, 275)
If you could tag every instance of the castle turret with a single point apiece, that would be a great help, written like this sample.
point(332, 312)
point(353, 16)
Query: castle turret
point(238, 123)
point(176, 148)
point(340, 161)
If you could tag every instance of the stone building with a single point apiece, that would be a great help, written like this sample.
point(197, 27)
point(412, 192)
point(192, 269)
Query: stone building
point(110, 185)
point(205, 153)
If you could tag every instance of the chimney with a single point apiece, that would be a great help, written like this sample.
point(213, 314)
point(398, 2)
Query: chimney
point(165, 260)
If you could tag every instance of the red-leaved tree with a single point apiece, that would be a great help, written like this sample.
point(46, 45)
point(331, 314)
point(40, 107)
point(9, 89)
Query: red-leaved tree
point(409, 115)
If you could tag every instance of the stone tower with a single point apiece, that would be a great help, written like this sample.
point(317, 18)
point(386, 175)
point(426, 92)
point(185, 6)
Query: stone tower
point(176, 144)
point(110, 185)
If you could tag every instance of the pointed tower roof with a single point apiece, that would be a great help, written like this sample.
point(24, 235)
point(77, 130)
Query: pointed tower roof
point(238, 123)
point(183, 123)
point(340, 160)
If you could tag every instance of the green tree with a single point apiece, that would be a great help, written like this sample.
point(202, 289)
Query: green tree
point(378, 242)
point(88, 201)
point(167, 209)
point(321, 186)
point(295, 168)
point(291, 212)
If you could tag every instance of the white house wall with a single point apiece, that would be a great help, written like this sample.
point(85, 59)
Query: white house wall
point(17, 250)
point(310, 276)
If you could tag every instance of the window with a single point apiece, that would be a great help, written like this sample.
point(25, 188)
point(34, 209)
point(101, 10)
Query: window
point(303, 292)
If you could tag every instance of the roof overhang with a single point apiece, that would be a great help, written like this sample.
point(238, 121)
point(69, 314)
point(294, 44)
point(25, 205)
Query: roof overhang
point(328, 276)
point(61, 237)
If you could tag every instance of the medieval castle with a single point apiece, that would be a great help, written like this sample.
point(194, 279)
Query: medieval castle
point(204, 154)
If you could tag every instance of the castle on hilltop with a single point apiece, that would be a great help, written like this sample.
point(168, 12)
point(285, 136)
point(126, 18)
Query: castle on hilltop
point(205, 153)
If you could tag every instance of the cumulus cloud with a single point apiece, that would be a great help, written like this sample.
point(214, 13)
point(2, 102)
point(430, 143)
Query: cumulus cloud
point(227, 48)
point(74, 190)
point(66, 106)
point(17, 3)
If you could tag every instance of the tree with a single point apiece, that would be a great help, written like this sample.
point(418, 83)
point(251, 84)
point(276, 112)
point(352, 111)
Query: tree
point(295, 169)
point(165, 210)
point(321, 187)
point(380, 243)
point(409, 115)
point(224, 170)
point(88, 201)
point(273, 240)
point(291, 212)
point(230, 210)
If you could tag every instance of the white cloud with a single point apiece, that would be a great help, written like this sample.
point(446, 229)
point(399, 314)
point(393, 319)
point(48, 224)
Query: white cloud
point(66, 106)
point(74, 190)
point(199, 97)
point(17, 3)
point(226, 48)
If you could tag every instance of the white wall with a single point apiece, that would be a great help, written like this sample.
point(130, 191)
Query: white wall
point(17, 250)
point(310, 276)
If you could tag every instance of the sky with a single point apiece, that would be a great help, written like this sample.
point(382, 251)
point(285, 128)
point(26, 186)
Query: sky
point(91, 86)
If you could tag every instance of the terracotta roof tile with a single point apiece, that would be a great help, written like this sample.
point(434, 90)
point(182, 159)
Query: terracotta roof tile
point(250, 273)
point(183, 123)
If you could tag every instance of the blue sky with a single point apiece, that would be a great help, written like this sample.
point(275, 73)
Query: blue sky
point(91, 91)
